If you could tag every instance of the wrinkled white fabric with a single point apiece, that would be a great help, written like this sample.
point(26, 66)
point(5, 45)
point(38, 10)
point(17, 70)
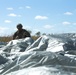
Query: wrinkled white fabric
point(45, 56)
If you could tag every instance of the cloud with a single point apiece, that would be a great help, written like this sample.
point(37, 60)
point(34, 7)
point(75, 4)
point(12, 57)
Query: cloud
point(68, 13)
point(74, 23)
point(28, 7)
point(7, 21)
point(20, 7)
point(12, 14)
point(48, 26)
point(19, 15)
point(9, 8)
point(66, 23)
point(27, 27)
point(3, 30)
point(41, 17)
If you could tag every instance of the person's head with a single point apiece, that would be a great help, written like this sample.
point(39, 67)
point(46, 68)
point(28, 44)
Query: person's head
point(19, 27)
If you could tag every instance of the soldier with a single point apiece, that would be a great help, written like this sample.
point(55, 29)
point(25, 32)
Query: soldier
point(21, 33)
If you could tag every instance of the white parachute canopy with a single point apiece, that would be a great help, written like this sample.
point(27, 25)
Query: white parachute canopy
point(44, 56)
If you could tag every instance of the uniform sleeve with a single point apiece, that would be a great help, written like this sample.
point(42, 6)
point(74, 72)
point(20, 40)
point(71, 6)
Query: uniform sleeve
point(14, 36)
point(26, 34)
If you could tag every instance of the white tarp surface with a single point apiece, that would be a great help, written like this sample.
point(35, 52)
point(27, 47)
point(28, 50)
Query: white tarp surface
point(45, 56)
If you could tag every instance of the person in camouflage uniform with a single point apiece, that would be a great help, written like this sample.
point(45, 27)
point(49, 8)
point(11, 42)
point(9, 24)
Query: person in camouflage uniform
point(21, 33)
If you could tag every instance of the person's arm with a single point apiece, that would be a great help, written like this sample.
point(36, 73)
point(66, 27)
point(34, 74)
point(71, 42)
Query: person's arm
point(14, 36)
point(26, 34)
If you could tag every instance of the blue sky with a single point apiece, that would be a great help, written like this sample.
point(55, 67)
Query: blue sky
point(46, 16)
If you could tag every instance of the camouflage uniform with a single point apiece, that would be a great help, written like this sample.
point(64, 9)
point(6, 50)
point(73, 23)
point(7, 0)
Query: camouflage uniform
point(21, 34)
